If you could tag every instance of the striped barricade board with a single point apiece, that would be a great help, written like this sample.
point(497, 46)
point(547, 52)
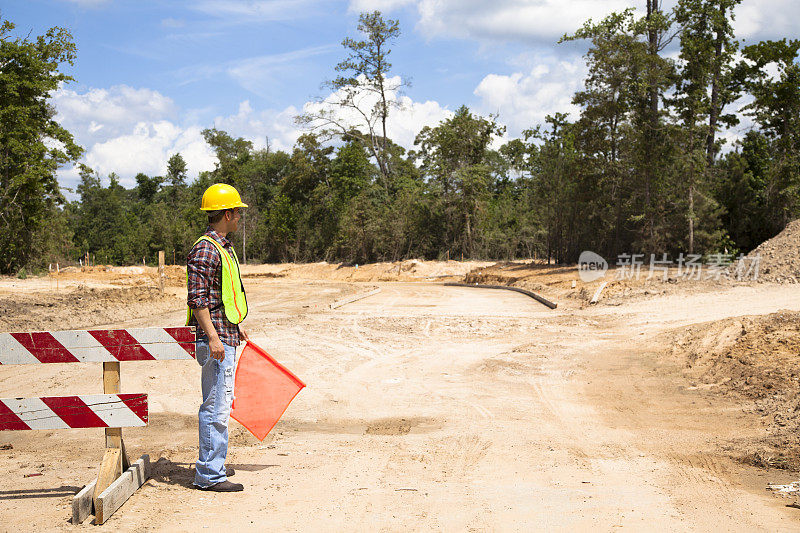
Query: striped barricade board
point(97, 346)
point(112, 410)
point(65, 412)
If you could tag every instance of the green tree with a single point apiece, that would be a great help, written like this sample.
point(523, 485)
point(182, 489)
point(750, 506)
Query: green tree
point(776, 111)
point(176, 177)
point(455, 155)
point(702, 91)
point(147, 187)
point(32, 143)
point(742, 193)
point(614, 59)
point(176, 170)
point(231, 154)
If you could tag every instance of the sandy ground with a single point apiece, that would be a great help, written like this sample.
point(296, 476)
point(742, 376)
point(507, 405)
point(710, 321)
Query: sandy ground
point(427, 408)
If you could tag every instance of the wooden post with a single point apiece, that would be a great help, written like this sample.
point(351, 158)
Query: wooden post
point(115, 459)
point(161, 270)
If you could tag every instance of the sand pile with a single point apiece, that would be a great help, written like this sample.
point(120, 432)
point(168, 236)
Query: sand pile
point(81, 308)
point(780, 256)
point(756, 359)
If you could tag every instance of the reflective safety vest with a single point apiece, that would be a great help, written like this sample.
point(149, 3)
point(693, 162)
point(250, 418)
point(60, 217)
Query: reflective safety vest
point(233, 297)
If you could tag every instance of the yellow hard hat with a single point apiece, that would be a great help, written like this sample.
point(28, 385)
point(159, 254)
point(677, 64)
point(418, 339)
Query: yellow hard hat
point(221, 196)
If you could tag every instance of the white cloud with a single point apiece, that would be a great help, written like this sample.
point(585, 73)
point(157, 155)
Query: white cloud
point(523, 99)
point(756, 21)
point(406, 117)
point(549, 19)
point(527, 20)
point(87, 3)
point(170, 22)
point(147, 149)
point(259, 126)
point(259, 74)
point(113, 111)
point(251, 11)
point(127, 131)
point(380, 5)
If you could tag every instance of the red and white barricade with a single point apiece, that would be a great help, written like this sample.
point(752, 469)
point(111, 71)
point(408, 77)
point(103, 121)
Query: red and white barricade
point(118, 478)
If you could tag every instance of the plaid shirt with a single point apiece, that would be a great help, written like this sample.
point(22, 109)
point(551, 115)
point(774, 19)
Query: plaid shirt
point(204, 273)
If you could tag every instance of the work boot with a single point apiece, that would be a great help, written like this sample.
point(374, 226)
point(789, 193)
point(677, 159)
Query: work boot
point(224, 486)
point(229, 471)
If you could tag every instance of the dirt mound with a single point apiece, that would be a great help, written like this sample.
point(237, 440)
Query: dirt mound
point(409, 270)
point(81, 308)
point(756, 359)
point(562, 283)
point(780, 256)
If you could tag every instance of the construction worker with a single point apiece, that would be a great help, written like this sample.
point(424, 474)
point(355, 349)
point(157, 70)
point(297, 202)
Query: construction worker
point(217, 304)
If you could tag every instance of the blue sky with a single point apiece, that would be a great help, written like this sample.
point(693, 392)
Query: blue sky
point(151, 75)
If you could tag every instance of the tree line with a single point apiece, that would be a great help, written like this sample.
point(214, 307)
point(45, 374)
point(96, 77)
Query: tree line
point(642, 168)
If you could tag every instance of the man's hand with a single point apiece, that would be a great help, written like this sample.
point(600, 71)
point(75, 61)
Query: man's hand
point(243, 333)
point(204, 320)
point(217, 349)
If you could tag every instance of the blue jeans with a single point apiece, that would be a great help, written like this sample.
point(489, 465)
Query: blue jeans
point(217, 385)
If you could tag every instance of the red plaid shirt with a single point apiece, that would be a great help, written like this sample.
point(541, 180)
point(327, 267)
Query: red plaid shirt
point(204, 273)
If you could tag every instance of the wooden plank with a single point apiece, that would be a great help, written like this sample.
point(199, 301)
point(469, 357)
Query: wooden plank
point(82, 505)
point(540, 299)
point(123, 488)
point(126, 462)
point(116, 337)
point(111, 384)
point(161, 270)
point(82, 346)
point(354, 298)
point(111, 377)
point(110, 471)
point(64, 412)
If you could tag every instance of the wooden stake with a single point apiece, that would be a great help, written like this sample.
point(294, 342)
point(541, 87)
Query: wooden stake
point(115, 460)
point(110, 470)
point(161, 270)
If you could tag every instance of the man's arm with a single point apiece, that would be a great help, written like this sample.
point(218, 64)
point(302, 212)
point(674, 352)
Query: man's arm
point(200, 271)
point(203, 317)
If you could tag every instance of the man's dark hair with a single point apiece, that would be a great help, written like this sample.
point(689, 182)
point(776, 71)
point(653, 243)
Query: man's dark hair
point(216, 216)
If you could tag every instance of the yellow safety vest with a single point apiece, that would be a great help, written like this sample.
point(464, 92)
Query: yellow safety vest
point(233, 296)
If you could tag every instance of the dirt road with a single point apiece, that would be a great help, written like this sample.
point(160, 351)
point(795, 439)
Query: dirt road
point(430, 408)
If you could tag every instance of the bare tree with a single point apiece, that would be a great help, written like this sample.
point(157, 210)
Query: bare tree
point(363, 93)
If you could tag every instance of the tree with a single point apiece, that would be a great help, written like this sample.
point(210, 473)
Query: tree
point(776, 111)
point(363, 93)
point(455, 155)
point(231, 154)
point(176, 170)
point(607, 100)
point(147, 187)
point(702, 90)
point(33, 145)
point(176, 177)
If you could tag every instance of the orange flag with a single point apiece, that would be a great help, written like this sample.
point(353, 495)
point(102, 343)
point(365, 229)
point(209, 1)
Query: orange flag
point(263, 390)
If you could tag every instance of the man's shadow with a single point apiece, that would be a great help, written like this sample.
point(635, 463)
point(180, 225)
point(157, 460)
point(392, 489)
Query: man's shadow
point(170, 473)
point(182, 474)
point(55, 492)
